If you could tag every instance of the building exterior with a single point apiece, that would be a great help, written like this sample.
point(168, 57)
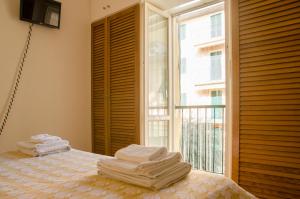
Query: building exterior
point(202, 60)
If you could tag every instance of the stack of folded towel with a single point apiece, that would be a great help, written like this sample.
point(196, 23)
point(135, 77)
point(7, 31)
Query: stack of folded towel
point(151, 167)
point(43, 144)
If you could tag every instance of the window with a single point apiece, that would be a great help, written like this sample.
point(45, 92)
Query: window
point(182, 31)
point(216, 65)
point(183, 65)
point(157, 71)
point(216, 99)
point(183, 99)
point(216, 25)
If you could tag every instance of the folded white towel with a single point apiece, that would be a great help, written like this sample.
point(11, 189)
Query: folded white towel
point(43, 144)
point(46, 150)
point(149, 169)
point(34, 153)
point(42, 138)
point(37, 146)
point(138, 153)
point(171, 176)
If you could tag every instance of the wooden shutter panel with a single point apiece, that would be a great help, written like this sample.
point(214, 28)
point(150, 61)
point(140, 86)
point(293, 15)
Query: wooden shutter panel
point(123, 58)
point(269, 97)
point(98, 86)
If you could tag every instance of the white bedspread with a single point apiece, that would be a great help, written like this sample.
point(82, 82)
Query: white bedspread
point(73, 174)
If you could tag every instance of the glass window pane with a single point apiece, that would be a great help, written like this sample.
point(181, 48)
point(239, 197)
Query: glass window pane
point(216, 65)
point(158, 62)
point(158, 79)
point(158, 133)
point(183, 65)
point(216, 99)
point(182, 31)
point(183, 99)
point(216, 25)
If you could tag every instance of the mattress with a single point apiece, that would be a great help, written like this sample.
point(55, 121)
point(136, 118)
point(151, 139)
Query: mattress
point(73, 174)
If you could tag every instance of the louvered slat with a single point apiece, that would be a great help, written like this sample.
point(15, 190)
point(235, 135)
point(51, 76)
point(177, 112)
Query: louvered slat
point(269, 97)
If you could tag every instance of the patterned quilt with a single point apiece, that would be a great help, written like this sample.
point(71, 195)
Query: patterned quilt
point(73, 174)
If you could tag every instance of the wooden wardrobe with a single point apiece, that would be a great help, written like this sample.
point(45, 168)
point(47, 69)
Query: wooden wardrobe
point(266, 65)
point(116, 81)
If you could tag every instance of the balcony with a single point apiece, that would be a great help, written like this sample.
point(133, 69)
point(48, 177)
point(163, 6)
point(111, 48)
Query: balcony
point(199, 131)
point(202, 136)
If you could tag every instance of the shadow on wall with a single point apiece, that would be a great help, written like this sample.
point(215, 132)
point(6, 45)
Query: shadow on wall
point(12, 7)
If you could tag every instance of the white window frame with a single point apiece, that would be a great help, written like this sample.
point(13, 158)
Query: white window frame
point(227, 75)
point(145, 136)
point(228, 83)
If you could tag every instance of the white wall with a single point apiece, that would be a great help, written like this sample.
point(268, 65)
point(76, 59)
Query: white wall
point(54, 94)
point(97, 11)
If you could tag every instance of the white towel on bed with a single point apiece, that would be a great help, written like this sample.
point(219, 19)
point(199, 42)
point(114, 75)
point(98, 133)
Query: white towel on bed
point(170, 176)
point(149, 169)
point(41, 146)
point(138, 153)
point(34, 153)
point(44, 150)
point(42, 138)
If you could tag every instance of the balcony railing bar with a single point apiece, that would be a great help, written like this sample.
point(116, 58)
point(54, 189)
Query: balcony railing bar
point(182, 141)
point(198, 152)
point(205, 168)
point(222, 140)
point(214, 145)
point(190, 154)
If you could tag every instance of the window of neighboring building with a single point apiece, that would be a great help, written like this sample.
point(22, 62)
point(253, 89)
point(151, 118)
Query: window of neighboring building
point(216, 99)
point(183, 99)
point(216, 65)
point(183, 65)
point(216, 25)
point(182, 31)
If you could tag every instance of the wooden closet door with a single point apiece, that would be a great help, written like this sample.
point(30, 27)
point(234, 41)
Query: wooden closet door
point(269, 96)
point(99, 87)
point(124, 80)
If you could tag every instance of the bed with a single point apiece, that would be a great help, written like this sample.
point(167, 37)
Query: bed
point(73, 174)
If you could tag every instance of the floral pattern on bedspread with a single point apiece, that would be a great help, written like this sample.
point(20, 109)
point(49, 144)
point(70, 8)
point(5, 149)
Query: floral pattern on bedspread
point(73, 175)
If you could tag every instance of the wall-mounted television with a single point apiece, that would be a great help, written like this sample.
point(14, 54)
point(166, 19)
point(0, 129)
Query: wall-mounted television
point(43, 12)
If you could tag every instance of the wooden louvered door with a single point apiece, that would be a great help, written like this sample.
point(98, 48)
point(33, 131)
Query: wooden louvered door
point(116, 81)
point(269, 96)
point(123, 58)
point(99, 103)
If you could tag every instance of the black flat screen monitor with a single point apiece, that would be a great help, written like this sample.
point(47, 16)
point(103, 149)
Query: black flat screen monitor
point(43, 12)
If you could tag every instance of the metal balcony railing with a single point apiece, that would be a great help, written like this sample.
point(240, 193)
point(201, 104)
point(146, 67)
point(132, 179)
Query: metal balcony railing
point(202, 136)
point(198, 130)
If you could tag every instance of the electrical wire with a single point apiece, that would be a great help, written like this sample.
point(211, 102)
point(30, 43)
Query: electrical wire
point(12, 96)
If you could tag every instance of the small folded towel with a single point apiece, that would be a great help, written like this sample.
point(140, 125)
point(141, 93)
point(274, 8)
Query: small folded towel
point(42, 138)
point(41, 146)
point(138, 153)
point(149, 169)
point(170, 176)
point(34, 153)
